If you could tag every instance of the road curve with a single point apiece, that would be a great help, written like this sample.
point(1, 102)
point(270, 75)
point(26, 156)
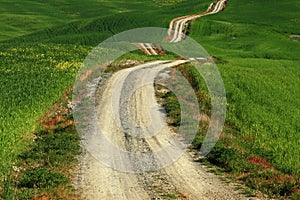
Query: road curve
point(184, 178)
point(178, 28)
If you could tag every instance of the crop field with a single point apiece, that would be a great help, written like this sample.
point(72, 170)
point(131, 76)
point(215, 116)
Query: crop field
point(32, 78)
point(261, 70)
point(43, 44)
point(260, 66)
point(269, 118)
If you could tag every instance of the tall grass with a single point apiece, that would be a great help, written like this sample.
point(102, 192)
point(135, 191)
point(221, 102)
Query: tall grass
point(263, 105)
point(32, 78)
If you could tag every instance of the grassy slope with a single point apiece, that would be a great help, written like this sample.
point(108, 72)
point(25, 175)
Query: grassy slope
point(38, 15)
point(261, 76)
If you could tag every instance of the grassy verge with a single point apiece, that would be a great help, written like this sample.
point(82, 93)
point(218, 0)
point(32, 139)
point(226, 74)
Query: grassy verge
point(44, 169)
point(33, 76)
point(236, 153)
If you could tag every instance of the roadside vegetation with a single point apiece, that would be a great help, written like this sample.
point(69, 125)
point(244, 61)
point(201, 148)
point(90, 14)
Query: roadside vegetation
point(257, 49)
point(44, 169)
point(259, 64)
point(240, 155)
point(33, 77)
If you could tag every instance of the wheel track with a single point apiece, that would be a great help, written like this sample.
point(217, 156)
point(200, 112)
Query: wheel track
point(184, 178)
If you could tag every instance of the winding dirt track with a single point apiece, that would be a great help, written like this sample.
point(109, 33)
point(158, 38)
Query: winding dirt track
point(185, 178)
point(178, 28)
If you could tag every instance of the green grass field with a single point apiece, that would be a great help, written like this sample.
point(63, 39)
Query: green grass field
point(261, 74)
point(43, 43)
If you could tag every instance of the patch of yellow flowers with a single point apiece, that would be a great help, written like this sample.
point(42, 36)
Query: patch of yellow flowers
point(68, 66)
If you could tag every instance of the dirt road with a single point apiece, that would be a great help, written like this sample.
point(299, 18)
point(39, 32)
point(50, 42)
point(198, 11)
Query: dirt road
point(183, 179)
point(178, 28)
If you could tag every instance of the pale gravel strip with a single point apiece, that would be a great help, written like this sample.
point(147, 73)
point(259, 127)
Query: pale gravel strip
point(96, 180)
point(101, 182)
point(186, 175)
